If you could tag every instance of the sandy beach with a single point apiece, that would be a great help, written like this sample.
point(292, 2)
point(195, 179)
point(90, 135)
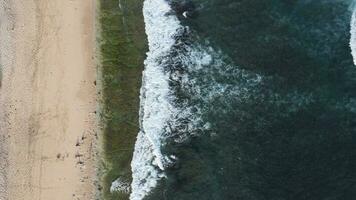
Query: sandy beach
point(47, 100)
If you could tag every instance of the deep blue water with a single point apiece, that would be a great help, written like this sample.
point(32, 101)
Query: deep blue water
point(276, 102)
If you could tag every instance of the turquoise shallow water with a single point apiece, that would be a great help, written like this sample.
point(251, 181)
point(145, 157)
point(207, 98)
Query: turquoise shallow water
point(273, 107)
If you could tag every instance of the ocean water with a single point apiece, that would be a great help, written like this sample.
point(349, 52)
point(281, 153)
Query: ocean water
point(247, 99)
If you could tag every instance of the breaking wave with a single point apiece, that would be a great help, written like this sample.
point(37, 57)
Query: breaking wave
point(156, 107)
point(353, 36)
point(182, 77)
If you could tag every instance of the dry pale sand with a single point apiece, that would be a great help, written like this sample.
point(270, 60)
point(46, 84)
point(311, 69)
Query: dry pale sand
point(47, 100)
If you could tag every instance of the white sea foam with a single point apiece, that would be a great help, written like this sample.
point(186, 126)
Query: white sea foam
point(120, 185)
point(171, 60)
point(353, 35)
point(156, 108)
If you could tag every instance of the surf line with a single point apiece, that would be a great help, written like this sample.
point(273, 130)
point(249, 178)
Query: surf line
point(353, 33)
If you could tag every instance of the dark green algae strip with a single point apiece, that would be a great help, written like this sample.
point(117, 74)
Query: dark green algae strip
point(122, 45)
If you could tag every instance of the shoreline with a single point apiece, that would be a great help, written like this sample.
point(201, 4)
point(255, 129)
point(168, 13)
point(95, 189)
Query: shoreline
point(48, 100)
point(122, 49)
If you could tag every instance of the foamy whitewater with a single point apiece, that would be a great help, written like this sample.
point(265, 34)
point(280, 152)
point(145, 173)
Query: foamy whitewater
point(156, 108)
point(209, 128)
point(161, 117)
point(174, 63)
point(353, 35)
